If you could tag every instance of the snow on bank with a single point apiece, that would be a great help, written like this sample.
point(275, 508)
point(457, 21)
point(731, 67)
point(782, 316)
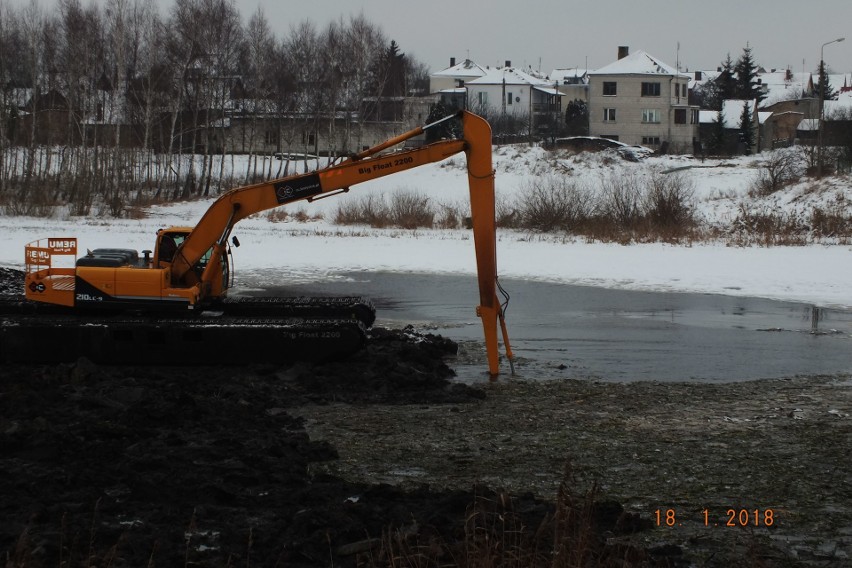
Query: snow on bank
point(316, 250)
point(313, 251)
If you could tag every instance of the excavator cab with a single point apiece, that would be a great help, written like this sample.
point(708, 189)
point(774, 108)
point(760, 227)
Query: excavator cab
point(169, 243)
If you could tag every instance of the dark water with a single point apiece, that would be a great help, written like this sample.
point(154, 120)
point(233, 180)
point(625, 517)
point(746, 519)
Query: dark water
point(615, 335)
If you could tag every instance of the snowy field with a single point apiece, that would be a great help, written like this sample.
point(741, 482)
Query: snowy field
point(318, 249)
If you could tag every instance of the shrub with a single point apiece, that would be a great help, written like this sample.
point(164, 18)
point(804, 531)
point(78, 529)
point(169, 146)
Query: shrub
point(622, 200)
point(407, 210)
point(506, 213)
point(411, 211)
point(670, 203)
point(781, 167)
point(450, 216)
point(368, 210)
point(768, 227)
point(553, 203)
point(833, 220)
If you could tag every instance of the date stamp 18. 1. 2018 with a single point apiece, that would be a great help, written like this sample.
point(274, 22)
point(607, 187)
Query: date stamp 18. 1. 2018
point(733, 517)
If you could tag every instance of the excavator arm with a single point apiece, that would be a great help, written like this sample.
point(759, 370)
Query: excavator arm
point(212, 231)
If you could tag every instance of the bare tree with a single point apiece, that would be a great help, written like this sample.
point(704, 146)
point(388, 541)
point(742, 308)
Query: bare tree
point(81, 71)
point(364, 42)
point(302, 51)
point(10, 43)
point(184, 48)
point(105, 75)
point(257, 73)
point(147, 84)
point(38, 53)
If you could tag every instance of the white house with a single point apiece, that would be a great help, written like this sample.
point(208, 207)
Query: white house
point(455, 76)
point(779, 86)
point(509, 94)
point(572, 82)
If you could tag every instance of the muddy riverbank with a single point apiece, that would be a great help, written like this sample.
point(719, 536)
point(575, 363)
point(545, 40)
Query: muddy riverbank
point(758, 467)
point(389, 459)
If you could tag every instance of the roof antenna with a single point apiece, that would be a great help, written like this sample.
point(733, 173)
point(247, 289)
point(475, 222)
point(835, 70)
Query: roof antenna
point(677, 58)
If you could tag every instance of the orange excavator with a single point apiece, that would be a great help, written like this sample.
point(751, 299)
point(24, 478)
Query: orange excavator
point(177, 293)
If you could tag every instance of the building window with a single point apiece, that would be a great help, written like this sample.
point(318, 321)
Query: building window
point(695, 116)
point(650, 89)
point(680, 116)
point(651, 140)
point(610, 88)
point(683, 90)
point(508, 98)
point(482, 98)
point(271, 137)
point(609, 115)
point(651, 115)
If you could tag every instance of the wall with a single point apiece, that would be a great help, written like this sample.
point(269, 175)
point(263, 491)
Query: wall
point(629, 103)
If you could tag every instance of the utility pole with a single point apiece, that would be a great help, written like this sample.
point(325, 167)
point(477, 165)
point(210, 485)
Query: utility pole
point(823, 79)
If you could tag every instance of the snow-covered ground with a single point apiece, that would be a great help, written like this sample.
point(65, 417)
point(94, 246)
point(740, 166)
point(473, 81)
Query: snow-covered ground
point(318, 249)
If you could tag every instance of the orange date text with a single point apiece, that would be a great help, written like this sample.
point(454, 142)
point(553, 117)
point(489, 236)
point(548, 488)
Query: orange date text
point(739, 517)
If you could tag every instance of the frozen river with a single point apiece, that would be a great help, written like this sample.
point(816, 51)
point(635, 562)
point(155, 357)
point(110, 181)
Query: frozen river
point(560, 330)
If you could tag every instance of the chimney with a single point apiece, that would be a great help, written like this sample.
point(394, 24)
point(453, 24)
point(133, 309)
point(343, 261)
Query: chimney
point(508, 63)
point(623, 51)
point(452, 61)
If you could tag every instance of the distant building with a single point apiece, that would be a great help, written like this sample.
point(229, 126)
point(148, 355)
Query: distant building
point(509, 94)
point(638, 99)
point(779, 86)
point(573, 83)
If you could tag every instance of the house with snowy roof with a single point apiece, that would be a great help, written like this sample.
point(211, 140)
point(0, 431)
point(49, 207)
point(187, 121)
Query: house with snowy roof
point(572, 82)
point(638, 99)
point(841, 108)
point(731, 114)
point(455, 76)
point(515, 100)
point(449, 84)
point(785, 85)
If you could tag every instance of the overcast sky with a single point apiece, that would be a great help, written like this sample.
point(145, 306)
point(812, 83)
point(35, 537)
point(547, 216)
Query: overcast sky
point(566, 33)
point(546, 34)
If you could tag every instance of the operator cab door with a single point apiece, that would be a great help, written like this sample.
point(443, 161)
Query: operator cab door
point(168, 243)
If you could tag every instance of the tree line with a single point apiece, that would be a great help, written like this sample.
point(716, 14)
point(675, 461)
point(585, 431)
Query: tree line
point(147, 97)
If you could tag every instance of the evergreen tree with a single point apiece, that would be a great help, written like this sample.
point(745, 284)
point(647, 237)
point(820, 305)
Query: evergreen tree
point(447, 129)
point(747, 87)
point(747, 128)
point(828, 93)
point(577, 118)
point(388, 82)
point(727, 83)
point(717, 136)
point(393, 63)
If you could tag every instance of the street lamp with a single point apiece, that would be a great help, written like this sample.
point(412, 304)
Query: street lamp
point(823, 78)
